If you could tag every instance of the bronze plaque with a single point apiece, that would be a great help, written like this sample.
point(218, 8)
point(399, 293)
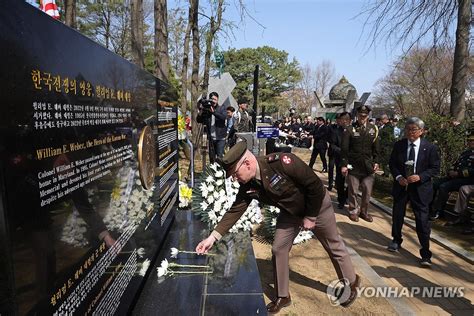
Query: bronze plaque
point(146, 157)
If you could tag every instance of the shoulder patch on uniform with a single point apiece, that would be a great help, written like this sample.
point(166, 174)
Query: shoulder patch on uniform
point(286, 160)
point(273, 157)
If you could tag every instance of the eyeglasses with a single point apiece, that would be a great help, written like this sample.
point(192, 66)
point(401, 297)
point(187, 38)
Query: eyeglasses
point(234, 175)
point(412, 130)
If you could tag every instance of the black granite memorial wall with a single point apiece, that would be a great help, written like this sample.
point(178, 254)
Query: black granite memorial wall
point(88, 169)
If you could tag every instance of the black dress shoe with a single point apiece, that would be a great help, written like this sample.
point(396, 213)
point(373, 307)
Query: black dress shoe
point(425, 262)
point(393, 247)
point(275, 306)
point(353, 295)
point(434, 216)
point(329, 187)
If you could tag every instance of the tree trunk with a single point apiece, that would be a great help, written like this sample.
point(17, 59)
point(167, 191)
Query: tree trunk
point(215, 26)
point(70, 13)
point(461, 61)
point(184, 68)
point(106, 15)
point(195, 70)
point(162, 60)
point(136, 27)
point(207, 56)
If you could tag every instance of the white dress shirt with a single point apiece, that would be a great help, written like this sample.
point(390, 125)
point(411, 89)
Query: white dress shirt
point(417, 148)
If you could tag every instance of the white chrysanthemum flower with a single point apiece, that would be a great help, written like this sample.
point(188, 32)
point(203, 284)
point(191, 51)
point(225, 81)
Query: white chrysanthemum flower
point(219, 182)
point(174, 252)
point(141, 252)
point(210, 199)
point(214, 166)
point(219, 174)
point(303, 236)
point(216, 195)
point(274, 221)
point(212, 216)
point(210, 188)
point(144, 268)
point(204, 205)
point(161, 271)
point(209, 179)
point(165, 264)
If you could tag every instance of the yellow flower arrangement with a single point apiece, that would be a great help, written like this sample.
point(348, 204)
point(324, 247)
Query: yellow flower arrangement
point(185, 195)
point(181, 127)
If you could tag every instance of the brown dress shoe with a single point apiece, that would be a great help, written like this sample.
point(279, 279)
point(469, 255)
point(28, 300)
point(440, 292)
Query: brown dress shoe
point(275, 306)
point(366, 217)
point(353, 295)
point(354, 217)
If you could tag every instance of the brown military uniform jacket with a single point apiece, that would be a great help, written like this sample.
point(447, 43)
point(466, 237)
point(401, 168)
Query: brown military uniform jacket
point(360, 148)
point(286, 182)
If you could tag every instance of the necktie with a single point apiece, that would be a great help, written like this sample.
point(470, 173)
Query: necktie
point(411, 154)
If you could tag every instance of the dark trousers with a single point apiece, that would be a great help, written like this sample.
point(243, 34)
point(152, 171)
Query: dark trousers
point(322, 154)
point(217, 149)
point(442, 187)
point(335, 162)
point(421, 209)
point(341, 190)
point(331, 165)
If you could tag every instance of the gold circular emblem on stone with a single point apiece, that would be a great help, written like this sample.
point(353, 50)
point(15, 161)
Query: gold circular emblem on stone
point(146, 157)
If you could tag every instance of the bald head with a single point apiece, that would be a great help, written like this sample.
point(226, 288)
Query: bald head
point(245, 169)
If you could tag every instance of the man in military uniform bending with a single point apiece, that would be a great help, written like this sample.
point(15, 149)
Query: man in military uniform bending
point(360, 151)
point(285, 181)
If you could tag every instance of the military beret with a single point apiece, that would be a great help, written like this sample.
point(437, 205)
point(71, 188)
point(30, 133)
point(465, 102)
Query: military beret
point(364, 109)
point(233, 156)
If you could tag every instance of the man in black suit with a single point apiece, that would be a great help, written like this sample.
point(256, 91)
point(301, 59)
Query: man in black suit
point(413, 163)
point(343, 120)
point(320, 143)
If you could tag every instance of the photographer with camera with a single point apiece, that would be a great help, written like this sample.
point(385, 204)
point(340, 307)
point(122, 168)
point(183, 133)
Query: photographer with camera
point(213, 116)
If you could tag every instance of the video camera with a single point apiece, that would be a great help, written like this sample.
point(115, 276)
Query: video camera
point(206, 104)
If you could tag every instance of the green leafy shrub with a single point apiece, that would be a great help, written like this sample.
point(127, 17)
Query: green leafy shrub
point(448, 136)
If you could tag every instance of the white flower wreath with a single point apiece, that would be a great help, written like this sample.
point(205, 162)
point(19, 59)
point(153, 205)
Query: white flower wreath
point(269, 226)
point(215, 196)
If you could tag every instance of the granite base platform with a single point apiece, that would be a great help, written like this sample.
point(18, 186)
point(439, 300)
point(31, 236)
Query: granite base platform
point(232, 289)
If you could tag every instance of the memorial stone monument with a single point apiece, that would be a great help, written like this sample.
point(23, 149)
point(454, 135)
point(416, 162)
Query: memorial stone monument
point(88, 170)
point(341, 98)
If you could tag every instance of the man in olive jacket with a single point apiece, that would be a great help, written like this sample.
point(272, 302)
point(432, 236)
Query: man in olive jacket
point(360, 156)
point(285, 181)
